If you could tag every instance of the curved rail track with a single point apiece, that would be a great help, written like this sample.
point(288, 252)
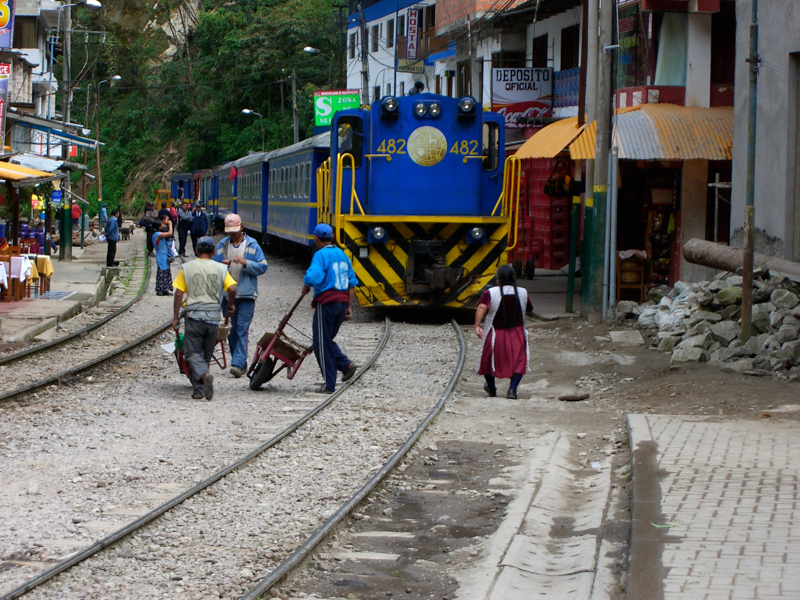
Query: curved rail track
point(103, 317)
point(233, 473)
point(97, 350)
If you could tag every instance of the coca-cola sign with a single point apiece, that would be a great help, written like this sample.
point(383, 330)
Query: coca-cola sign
point(522, 92)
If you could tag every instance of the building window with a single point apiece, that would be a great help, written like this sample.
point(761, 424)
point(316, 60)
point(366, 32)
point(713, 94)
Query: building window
point(401, 26)
point(539, 52)
point(402, 88)
point(351, 47)
point(374, 38)
point(570, 47)
point(508, 60)
point(390, 33)
point(376, 93)
point(25, 32)
point(388, 89)
point(429, 15)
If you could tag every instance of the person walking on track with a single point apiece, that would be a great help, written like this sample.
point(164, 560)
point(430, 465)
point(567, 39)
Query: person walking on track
point(112, 237)
point(505, 339)
point(184, 226)
point(203, 282)
point(245, 261)
point(333, 279)
point(163, 274)
point(199, 225)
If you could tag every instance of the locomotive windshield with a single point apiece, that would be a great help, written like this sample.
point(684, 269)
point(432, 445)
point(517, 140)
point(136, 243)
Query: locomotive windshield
point(350, 137)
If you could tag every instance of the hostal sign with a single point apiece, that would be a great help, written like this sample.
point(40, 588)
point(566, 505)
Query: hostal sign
point(526, 92)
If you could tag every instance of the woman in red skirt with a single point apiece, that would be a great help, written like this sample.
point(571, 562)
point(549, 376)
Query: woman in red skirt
point(505, 339)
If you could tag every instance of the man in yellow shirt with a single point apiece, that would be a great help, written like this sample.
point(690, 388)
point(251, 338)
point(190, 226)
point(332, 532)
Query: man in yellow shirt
point(203, 281)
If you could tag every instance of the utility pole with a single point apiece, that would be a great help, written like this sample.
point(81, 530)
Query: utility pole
point(342, 43)
point(591, 114)
point(295, 122)
point(600, 184)
point(65, 242)
point(364, 56)
point(283, 111)
point(575, 213)
point(749, 207)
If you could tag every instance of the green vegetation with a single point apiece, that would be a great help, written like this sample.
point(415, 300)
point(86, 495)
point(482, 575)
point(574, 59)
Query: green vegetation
point(186, 79)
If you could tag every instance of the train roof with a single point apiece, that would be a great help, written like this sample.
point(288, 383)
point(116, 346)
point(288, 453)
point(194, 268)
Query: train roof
point(250, 159)
point(321, 141)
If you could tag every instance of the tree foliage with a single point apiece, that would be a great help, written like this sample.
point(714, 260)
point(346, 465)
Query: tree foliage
point(189, 68)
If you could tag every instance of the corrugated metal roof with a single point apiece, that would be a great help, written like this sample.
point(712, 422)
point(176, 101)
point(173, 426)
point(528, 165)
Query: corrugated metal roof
point(583, 147)
point(551, 140)
point(666, 132)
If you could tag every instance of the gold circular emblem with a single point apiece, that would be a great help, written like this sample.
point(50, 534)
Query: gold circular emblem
point(426, 146)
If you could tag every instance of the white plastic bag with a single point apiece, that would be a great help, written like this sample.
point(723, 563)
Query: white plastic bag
point(102, 238)
point(648, 317)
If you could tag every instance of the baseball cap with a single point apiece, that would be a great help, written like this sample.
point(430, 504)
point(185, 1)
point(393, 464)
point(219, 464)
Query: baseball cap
point(205, 244)
point(233, 223)
point(323, 231)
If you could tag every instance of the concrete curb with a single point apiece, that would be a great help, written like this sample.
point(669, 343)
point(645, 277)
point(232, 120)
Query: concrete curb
point(27, 334)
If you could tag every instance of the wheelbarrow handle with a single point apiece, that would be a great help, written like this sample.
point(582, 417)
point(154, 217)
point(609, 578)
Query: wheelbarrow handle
point(288, 315)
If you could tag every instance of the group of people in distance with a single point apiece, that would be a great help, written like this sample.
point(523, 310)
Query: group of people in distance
point(223, 281)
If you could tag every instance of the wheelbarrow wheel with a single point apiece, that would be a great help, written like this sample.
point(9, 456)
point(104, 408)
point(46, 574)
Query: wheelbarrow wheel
point(262, 373)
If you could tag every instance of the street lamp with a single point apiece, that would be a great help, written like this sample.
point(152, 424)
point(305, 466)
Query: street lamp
point(97, 137)
point(65, 245)
point(318, 52)
point(247, 111)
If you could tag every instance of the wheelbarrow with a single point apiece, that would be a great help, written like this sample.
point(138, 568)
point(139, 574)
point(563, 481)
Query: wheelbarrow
point(220, 359)
point(277, 351)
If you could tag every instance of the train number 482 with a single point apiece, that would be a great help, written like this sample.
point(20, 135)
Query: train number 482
point(467, 147)
point(392, 147)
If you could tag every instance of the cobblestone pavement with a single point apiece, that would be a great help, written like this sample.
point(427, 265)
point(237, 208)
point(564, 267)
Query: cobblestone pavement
point(714, 508)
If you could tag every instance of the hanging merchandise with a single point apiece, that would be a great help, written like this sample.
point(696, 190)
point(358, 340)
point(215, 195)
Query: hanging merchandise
point(559, 185)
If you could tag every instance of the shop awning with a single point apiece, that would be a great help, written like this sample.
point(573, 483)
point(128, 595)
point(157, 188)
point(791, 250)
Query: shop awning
point(665, 132)
point(549, 141)
point(67, 137)
point(20, 176)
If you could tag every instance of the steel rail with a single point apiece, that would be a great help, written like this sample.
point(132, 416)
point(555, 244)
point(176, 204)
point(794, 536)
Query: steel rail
point(86, 365)
point(160, 510)
point(308, 546)
point(4, 360)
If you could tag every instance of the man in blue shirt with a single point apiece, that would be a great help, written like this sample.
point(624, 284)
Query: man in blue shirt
point(245, 261)
point(333, 279)
point(104, 216)
point(112, 237)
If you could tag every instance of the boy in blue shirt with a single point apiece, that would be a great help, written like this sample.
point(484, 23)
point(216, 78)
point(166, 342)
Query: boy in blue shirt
point(333, 279)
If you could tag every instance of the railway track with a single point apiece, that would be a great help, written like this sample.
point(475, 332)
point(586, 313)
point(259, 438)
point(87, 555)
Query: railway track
point(78, 353)
point(236, 516)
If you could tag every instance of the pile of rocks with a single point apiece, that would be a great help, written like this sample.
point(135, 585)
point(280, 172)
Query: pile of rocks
point(700, 322)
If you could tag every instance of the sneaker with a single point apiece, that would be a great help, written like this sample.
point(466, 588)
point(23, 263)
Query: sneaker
point(490, 390)
point(512, 394)
point(208, 386)
point(351, 370)
point(236, 372)
point(322, 390)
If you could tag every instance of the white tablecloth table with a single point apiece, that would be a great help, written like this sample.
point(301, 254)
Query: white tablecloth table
point(20, 270)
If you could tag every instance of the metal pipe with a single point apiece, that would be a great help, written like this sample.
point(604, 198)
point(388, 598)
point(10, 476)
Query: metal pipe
point(613, 199)
point(725, 258)
point(749, 209)
point(606, 247)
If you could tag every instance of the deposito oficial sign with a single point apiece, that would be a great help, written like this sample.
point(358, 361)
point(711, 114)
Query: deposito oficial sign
point(327, 103)
point(523, 92)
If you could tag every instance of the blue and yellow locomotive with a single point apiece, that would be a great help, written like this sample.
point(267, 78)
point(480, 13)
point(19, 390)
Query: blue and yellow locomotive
point(417, 189)
point(420, 195)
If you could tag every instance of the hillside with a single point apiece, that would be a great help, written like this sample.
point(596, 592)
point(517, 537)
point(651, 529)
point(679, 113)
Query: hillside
point(188, 68)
